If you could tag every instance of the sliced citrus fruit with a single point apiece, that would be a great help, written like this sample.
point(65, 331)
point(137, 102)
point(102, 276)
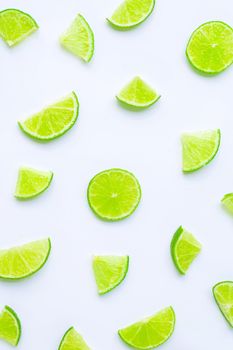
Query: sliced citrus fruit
point(227, 202)
point(223, 294)
point(210, 48)
point(137, 94)
point(109, 271)
point(23, 261)
point(52, 121)
point(15, 26)
point(10, 326)
point(184, 249)
point(114, 194)
point(151, 331)
point(32, 182)
point(79, 39)
point(72, 340)
point(199, 148)
point(131, 13)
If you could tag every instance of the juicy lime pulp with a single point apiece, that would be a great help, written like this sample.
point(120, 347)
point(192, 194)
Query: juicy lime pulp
point(210, 48)
point(138, 94)
point(79, 39)
point(15, 26)
point(53, 121)
point(131, 13)
point(10, 326)
point(32, 182)
point(227, 202)
point(109, 271)
point(199, 148)
point(151, 331)
point(72, 340)
point(184, 249)
point(114, 194)
point(223, 294)
point(23, 261)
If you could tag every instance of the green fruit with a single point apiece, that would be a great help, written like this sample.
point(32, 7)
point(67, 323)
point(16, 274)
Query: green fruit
point(223, 294)
point(72, 340)
point(10, 326)
point(227, 202)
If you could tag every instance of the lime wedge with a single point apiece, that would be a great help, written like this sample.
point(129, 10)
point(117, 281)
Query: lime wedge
point(15, 26)
point(109, 271)
point(199, 148)
point(210, 48)
point(137, 94)
point(223, 294)
point(131, 13)
point(32, 182)
point(23, 261)
point(184, 249)
point(227, 202)
point(10, 327)
point(52, 121)
point(79, 39)
point(114, 194)
point(151, 331)
point(72, 340)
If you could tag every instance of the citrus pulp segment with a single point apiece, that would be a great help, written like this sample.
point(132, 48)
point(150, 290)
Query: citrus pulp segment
point(10, 326)
point(227, 202)
point(223, 294)
point(72, 340)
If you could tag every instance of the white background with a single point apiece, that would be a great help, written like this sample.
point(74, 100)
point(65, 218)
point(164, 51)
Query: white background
point(63, 293)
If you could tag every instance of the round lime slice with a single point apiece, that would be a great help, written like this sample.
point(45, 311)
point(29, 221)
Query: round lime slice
point(53, 121)
point(131, 13)
point(114, 194)
point(199, 148)
point(32, 182)
point(10, 326)
point(15, 26)
point(72, 340)
point(184, 249)
point(223, 294)
point(210, 48)
point(79, 39)
point(227, 202)
point(137, 94)
point(151, 331)
point(23, 261)
point(109, 271)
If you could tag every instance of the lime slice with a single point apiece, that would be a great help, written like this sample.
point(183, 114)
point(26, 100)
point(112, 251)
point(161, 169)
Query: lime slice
point(114, 194)
point(52, 121)
point(210, 48)
point(137, 94)
point(109, 271)
point(227, 202)
point(32, 182)
point(199, 148)
point(223, 294)
point(23, 261)
point(10, 326)
point(184, 249)
point(131, 13)
point(72, 340)
point(15, 26)
point(151, 331)
point(79, 39)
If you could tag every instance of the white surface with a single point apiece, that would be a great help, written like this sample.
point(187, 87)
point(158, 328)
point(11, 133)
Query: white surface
point(38, 72)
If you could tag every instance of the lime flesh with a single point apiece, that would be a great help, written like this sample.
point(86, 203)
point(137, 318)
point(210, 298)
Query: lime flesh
point(223, 294)
point(10, 327)
point(227, 202)
point(15, 26)
point(151, 331)
point(210, 48)
point(109, 271)
point(72, 340)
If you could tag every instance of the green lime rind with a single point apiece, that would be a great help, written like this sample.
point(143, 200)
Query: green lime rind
point(14, 255)
point(121, 11)
point(17, 37)
point(227, 202)
point(228, 306)
point(197, 67)
point(54, 135)
point(10, 322)
point(111, 218)
point(109, 277)
point(73, 340)
point(150, 332)
point(188, 150)
point(191, 249)
point(31, 183)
